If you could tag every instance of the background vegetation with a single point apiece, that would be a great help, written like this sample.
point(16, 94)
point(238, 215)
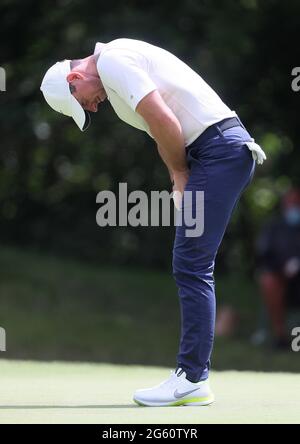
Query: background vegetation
point(50, 173)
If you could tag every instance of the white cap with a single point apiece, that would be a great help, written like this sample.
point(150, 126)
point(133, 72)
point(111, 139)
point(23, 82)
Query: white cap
point(55, 88)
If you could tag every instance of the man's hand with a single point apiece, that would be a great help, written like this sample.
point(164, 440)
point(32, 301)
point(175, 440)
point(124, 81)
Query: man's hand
point(180, 179)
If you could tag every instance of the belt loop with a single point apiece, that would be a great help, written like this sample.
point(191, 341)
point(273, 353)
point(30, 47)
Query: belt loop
point(218, 129)
point(241, 123)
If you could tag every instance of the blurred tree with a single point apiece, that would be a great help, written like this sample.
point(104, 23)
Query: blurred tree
point(50, 173)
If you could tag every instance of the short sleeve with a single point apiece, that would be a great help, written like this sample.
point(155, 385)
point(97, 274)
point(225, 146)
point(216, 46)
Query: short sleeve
point(124, 74)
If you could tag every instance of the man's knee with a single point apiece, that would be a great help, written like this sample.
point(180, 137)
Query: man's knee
point(190, 270)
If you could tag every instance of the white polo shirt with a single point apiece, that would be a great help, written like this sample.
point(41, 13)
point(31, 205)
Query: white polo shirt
point(131, 69)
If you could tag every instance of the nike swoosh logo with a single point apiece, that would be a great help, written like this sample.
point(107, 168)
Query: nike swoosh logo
point(181, 395)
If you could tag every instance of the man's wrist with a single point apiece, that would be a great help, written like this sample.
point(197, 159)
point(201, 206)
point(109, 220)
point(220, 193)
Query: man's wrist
point(181, 172)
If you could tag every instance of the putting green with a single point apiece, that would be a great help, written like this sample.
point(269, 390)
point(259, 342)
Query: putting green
point(59, 392)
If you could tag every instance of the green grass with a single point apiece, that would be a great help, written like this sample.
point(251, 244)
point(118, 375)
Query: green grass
point(59, 309)
point(33, 392)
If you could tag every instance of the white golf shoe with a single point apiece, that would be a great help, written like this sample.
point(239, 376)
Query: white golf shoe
point(175, 391)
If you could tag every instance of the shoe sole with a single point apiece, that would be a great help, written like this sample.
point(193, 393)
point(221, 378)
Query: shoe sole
point(184, 402)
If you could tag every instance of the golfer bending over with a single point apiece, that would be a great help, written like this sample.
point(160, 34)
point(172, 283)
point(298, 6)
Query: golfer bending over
point(205, 147)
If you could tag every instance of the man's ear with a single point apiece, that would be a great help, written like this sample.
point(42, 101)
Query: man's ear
point(74, 75)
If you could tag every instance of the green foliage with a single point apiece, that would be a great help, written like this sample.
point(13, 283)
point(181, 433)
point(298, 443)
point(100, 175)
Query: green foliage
point(50, 173)
point(57, 309)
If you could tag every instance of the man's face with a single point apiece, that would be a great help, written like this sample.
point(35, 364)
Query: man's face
point(87, 90)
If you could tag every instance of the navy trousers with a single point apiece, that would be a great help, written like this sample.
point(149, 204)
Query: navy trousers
point(221, 166)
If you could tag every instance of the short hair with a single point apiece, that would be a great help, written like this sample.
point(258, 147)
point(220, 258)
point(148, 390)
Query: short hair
point(72, 88)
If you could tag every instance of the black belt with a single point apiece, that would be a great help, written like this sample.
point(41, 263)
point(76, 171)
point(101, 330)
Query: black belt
point(214, 129)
